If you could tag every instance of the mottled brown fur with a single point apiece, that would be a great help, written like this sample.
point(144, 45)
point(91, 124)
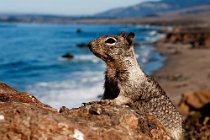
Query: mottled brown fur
point(126, 83)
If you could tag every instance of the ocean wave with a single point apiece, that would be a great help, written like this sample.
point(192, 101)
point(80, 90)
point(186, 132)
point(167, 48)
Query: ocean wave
point(81, 88)
point(13, 64)
point(153, 33)
point(154, 36)
point(7, 25)
point(91, 58)
point(82, 58)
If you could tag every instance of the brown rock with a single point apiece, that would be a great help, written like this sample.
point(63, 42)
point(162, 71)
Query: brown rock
point(6, 89)
point(82, 45)
point(196, 107)
point(68, 56)
point(22, 116)
point(196, 36)
point(113, 122)
point(207, 42)
point(193, 100)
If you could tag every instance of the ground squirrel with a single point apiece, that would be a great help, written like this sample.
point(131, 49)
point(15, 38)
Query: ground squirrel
point(126, 83)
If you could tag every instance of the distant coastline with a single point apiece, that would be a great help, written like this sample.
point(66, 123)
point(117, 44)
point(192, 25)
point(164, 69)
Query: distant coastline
point(54, 19)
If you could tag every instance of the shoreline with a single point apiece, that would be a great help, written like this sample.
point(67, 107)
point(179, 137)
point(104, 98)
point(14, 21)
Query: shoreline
point(184, 70)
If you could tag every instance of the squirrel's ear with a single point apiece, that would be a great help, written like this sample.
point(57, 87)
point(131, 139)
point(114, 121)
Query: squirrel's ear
point(131, 35)
point(130, 38)
point(122, 34)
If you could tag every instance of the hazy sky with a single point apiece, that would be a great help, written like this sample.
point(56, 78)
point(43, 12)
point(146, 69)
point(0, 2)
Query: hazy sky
point(62, 7)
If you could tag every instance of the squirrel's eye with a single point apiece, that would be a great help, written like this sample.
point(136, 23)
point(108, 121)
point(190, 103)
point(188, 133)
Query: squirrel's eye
point(110, 41)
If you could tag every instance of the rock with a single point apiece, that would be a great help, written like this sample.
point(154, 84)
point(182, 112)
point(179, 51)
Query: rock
point(197, 127)
point(196, 36)
point(68, 56)
point(207, 42)
point(82, 45)
point(196, 107)
point(22, 116)
point(112, 122)
point(6, 89)
point(78, 30)
point(193, 101)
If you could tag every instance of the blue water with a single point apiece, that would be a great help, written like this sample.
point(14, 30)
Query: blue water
point(30, 60)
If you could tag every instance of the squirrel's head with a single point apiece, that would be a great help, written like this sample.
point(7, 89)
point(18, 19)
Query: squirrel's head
point(111, 48)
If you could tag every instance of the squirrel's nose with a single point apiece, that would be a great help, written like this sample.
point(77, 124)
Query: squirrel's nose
point(90, 44)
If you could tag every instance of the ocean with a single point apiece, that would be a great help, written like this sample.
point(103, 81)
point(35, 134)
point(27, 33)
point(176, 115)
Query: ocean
point(30, 59)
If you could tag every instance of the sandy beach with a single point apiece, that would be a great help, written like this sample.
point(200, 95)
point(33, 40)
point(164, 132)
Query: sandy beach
point(185, 69)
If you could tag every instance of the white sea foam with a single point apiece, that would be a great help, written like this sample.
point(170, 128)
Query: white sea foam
point(153, 33)
point(154, 36)
point(83, 87)
point(86, 58)
point(91, 58)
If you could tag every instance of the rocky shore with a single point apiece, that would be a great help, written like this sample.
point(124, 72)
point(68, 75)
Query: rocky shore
point(186, 76)
point(195, 108)
point(23, 117)
point(196, 36)
point(187, 67)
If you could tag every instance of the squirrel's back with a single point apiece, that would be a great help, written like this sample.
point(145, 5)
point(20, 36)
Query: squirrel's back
point(155, 102)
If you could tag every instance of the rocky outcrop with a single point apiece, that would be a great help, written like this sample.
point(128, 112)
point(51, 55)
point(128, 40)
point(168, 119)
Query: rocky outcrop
point(82, 45)
point(68, 56)
point(192, 101)
point(22, 116)
point(196, 107)
point(196, 36)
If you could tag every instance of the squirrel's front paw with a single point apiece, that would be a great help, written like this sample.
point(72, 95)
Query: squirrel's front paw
point(106, 101)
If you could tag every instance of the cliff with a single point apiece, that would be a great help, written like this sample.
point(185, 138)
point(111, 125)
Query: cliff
point(196, 36)
point(24, 117)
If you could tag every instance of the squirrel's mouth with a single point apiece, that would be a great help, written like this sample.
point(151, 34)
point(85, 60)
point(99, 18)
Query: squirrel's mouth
point(93, 49)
